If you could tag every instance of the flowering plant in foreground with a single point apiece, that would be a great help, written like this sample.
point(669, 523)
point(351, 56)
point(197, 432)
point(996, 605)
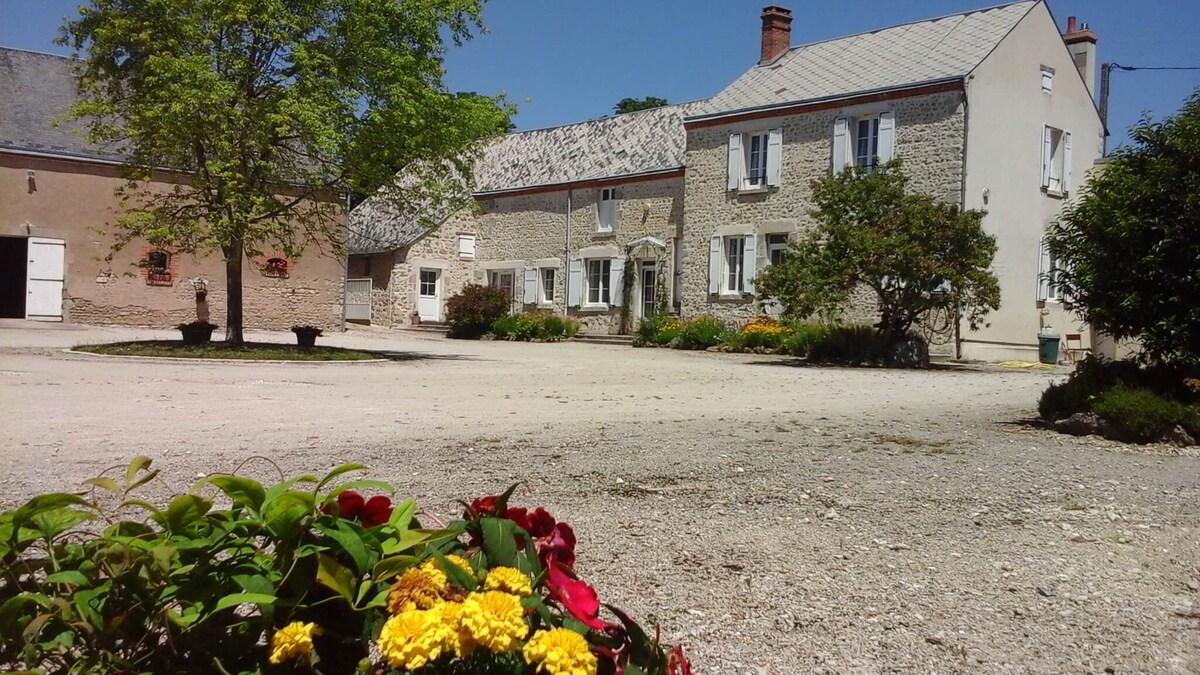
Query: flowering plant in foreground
point(303, 576)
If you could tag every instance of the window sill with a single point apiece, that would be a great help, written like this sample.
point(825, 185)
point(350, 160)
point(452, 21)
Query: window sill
point(546, 305)
point(753, 190)
point(604, 233)
point(1055, 194)
point(734, 296)
point(594, 308)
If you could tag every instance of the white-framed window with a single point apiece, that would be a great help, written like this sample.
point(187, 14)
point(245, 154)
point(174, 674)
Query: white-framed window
point(1050, 283)
point(1047, 80)
point(734, 278)
point(546, 285)
point(599, 281)
point(1056, 160)
point(776, 247)
point(466, 246)
point(755, 159)
point(607, 210)
point(504, 280)
point(866, 142)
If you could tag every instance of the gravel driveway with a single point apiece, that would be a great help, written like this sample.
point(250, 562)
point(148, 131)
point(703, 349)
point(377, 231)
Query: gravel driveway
point(775, 518)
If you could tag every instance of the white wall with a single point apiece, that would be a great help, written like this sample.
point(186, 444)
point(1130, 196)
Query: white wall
point(1006, 111)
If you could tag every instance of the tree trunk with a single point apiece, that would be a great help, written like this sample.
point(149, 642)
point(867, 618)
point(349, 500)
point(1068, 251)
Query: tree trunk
point(234, 253)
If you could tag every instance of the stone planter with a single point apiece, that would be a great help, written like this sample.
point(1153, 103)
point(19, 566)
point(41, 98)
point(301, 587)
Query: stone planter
point(196, 333)
point(306, 336)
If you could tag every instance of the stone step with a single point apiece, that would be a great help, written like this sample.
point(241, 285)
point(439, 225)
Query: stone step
point(605, 339)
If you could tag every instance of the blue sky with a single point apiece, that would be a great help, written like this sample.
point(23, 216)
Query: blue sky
point(565, 61)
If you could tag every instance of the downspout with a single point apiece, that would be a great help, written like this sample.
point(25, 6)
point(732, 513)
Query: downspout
point(345, 258)
point(962, 204)
point(567, 260)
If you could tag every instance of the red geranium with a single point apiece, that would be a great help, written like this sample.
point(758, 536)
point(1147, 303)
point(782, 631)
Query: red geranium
point(575, 596)
point(557, 546)
point(370, 512)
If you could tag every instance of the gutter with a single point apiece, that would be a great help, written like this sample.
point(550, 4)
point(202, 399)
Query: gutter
point(567, 261)
point(585, 182)
point(962, 202)
point(63, 156)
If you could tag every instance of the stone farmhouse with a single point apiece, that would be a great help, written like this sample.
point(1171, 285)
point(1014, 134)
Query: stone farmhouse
point(56, 201)
point(679, 207)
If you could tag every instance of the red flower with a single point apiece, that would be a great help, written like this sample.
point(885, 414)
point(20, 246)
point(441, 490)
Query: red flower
point(375, 511)
point(558, 546)
point(540, 523)
point(677, 663)
point(484, 506)
point(575, 596)
point(518, 516)
point(350, 504)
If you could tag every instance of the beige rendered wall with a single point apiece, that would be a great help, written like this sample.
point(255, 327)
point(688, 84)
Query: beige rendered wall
point(1005, 116)
point(74, 201)
point(929, 137)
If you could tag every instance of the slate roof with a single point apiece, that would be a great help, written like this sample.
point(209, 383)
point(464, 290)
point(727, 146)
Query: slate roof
point(35, 90)
point(908, 54)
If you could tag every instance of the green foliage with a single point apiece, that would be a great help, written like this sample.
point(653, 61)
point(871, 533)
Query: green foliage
point(871, 233)
point(659, 329)
point(701, 332)
point(1093, 377)
point(802, 338)
point(473, 312)
point(255, 351)
point(273, 109)
point(1143, 414)
point(852, 345)
point(1129, 246)
point(628, 105)
point(535, 327)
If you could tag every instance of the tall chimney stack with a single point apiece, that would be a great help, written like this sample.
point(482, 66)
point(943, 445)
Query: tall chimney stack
point(1081, 42)
point(776, 32)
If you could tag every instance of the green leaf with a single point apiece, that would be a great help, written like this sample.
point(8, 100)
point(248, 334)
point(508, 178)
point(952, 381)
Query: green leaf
point(137, 464)
point(279, 488)
point(254, 583)
point(380, 599)
point(454, 573)
point(243, 491)
point(499, 541)
point(235, 599)
point(72, 577)
point(335, 576)
point(402, 514)
point(363, 485)
point(284, 514)
point(502, 499)
point(338, 471)
point(393, 566)
point(185, 510)
point(52, 522)
point(106, 483)
point(405, 540)
point(349, 540)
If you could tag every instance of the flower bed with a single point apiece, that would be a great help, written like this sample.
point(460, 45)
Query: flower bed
point(302, 576)
point(761, 335)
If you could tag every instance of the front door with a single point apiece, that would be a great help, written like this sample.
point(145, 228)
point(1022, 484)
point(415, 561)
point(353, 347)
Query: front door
point(429, 295)
point(44, 279)
point(649, 284)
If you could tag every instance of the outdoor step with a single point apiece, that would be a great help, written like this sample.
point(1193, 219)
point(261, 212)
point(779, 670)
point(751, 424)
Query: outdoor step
point(428, 327)
point(602, 338)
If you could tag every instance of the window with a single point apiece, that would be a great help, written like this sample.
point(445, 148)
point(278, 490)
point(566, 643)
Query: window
point(735, 258)
point(756, 161)
point(1050, 271)
point(866, 142)
point(606, 210)
point(1056, 160)
point(776, 247)
point(1047, 80)
point(428, 287)
point(276, 268)
point(547, 285)
point(502, 279)
point(599, 278)
point(466, 246)
point(158, 261)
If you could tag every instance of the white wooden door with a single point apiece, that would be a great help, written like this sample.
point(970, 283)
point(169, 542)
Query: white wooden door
point(44, 279)
point(429, 295)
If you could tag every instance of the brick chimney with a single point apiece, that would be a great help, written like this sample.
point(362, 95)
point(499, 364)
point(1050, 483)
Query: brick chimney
point(1081, 42)
point(776, 32)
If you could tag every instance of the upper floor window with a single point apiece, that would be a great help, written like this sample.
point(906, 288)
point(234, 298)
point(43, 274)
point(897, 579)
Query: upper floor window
point(1047, 80)
point(866, 141)
point(1056, 161)
point(606, 210)
point(755, 160)
point(776, 247)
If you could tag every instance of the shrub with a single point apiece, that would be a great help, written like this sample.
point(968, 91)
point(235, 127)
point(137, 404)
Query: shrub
point(540, 326)
point(305, 575)
point(471, 313)
point(802, 338)
point(1094, 376)
point(849, 345)
point(701, 332)
point(761, 332)
point(1143, 414)
point(659, 329)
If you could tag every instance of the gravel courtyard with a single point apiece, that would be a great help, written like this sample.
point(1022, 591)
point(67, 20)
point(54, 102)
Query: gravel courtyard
point(775, 518)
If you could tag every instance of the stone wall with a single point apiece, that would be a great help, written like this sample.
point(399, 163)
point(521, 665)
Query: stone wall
point(929, 139)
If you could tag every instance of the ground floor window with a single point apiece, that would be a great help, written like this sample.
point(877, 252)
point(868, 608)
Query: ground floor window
point(735, 260)
point(599, 281)
point(428, 283)
point(547, 285)
point(504, 280)
point(776, 247)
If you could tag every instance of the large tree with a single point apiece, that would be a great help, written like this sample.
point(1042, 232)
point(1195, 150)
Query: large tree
point(914, 254)
point(273, 110)
point(628, 105)
point(1129, 250)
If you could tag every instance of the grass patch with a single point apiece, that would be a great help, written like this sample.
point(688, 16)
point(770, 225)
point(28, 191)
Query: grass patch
point(254, 351)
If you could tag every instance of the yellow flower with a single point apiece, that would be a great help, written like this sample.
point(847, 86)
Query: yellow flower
point(560, 651)
point(509, 580)
point(417, 588)
point(413, 638)
point(292, 641)
point(461, 563)
point(456, 639)
point(495, 620)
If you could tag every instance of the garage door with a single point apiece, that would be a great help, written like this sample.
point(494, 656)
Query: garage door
point(44, 284)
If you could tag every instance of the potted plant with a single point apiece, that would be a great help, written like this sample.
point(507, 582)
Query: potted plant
point(197, 332)
point(306, 336)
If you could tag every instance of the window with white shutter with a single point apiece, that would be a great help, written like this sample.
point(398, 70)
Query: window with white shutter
point(466, 246)
point(574, 282)
point(546, 281)
point(1047, 80)
point(841, 144)
point(606, 210)
point(755, 160)
point(1056, 165)
point(598, 282)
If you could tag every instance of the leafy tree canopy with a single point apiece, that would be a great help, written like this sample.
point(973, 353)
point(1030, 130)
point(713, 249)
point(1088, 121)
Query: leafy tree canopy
point(1130, 247)
point(914, 254)
point(274, 108)
point(628, 105)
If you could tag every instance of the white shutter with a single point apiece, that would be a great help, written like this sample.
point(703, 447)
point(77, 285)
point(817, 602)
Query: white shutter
point(841, 144)
point(1043, 277)
point(774, 156)
point(616, 277)
point(466, 246)
point(734, 168)
point(714, 265)
point(574, 282)
point(1066, 177)
point(887, 137)
point(1047, 155)
point(749, 262)
point(531, 286)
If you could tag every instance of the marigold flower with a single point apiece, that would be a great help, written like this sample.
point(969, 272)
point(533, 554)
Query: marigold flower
point(495, 620)
point(413, 638)
point(456, 638)
point(417, 588)
point(560, 651)
point(509, 580)
point(292, 641)
point(460, 562)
